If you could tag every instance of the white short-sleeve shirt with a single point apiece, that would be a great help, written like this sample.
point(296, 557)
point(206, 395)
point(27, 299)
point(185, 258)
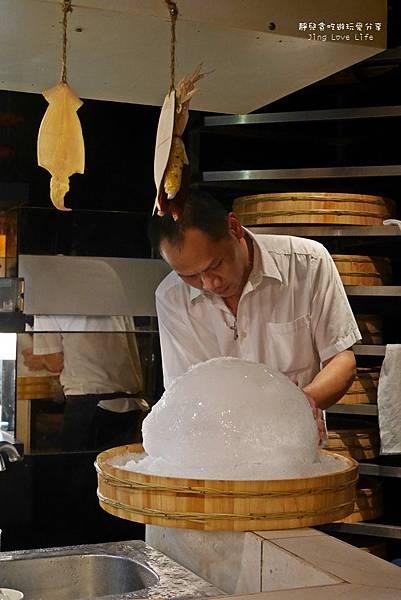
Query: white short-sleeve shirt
point(293, 314)
point(102, 362)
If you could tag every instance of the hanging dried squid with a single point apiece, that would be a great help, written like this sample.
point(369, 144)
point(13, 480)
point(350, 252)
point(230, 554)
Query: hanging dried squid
point(61, 147)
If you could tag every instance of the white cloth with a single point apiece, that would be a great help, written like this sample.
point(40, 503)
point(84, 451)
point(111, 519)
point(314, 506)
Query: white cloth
point(393, 222)
point(293, 314)
point(94, 363)
point(389, 401)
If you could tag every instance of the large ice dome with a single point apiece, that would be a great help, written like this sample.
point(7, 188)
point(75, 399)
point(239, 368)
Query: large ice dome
point(232, 419)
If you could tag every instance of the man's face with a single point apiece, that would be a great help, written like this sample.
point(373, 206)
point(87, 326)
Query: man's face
point(218, 267)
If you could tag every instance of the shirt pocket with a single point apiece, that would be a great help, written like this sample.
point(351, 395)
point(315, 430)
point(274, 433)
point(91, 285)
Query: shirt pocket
point(290, 345)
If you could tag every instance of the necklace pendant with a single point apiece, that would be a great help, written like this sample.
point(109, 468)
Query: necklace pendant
point(235, 329)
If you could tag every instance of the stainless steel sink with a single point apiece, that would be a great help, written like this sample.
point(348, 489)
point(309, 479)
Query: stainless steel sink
point(61, 576)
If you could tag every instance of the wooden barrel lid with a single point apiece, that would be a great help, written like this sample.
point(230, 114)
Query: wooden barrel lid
point(313, 207)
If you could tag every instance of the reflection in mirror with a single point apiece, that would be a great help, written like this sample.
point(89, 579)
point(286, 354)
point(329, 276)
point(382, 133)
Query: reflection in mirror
point(84, 383)
point(70, 323)
point(7, 380)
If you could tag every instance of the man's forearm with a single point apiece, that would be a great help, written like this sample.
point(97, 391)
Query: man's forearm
point(331, 383)
point(53, 362)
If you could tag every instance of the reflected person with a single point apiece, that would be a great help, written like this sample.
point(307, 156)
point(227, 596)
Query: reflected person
point(98, 363)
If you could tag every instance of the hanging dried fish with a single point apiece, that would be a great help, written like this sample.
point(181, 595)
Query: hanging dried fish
point(172, 179)
point(61, 147)
point(171, 162)
point(176, 161)
point(184, 91)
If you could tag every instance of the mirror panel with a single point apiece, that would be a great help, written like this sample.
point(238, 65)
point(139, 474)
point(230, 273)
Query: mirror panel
point(81, 285)
point(85, 389)
point(8, 343)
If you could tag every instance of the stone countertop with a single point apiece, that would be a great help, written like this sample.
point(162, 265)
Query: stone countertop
point(174, 580)
point(292, 564)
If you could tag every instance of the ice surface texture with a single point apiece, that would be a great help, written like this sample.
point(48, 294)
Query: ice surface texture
point(232, 419)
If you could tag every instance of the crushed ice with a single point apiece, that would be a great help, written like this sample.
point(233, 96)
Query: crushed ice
point(231, 419)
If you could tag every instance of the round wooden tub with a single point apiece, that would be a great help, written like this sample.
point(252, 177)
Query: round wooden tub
point(364, 388)
point(324, 208)
point(368, 501)
point(360, 441)
point(371, 328)
point(355, 269)
point(231, 505)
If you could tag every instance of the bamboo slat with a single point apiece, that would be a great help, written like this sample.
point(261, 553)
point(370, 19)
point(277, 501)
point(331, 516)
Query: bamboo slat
point(32, 388)
point(313, 207)
point(358, 441)
point(371, 328)
point(364, 388)
point(363, 270)
point(224, 504)
point(368, 501)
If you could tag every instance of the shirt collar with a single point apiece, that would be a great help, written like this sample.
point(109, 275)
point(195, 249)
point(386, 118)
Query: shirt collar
point(263, 266)
point(195, 293)
point(263, 263)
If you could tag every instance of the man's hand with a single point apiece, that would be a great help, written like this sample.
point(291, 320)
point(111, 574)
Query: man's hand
point(32, 361)
point(51, 362)
point(318, 414)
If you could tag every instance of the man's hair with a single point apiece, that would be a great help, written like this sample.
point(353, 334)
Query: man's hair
point(201, 211)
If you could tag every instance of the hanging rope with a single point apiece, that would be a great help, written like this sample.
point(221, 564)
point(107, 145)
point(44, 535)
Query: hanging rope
point(66, 9)
point(173, 10)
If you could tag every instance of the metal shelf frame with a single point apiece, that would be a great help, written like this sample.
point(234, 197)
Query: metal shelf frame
point(369, 350)
point(363, 528)
point(373, 290)
point(335, 114)
point(340, 231)
point(307, 173)
point(353, 409)
point(211, 125)
point(379, 470)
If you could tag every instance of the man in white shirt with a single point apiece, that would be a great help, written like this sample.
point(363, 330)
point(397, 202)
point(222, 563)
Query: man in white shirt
point(100, 373)
point(272, 299)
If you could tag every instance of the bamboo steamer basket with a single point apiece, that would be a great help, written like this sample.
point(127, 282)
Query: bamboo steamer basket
point(368, 502)
point(358, 441)
point(32, 388)
point(371, 328)
point(364, 388)
point(313, 207)
point(363, 270)
point(237, 505)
